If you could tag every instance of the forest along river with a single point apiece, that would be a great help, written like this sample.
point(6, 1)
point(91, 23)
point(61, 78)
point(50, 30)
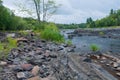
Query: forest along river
point(83, 43)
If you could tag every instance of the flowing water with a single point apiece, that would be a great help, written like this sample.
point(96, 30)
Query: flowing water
point(83, 43)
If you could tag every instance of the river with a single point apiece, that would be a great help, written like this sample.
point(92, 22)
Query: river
point(83, 43)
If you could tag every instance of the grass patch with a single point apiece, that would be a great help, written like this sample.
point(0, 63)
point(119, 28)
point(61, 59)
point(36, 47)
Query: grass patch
point(24, 33)
point(6, 47)
point(94, 47)
point(101, 33)
point(69, 42)
point(52, 33)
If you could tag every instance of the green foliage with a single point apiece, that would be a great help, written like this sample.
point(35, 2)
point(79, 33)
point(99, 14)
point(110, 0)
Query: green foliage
point(69, 42)
point(8, 21)
point(101, 33)
point(113, 19)
point(7, 46)
point(12, 42)
point(90, 23)
point(94, 47)
point(23, 33)
point(52, 33)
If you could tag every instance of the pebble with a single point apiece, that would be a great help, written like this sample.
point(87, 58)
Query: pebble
point(103, 58)
point(35, 78)
point(115, 64)
point(27, 67)
point(118, 74)
point(17, 68)
point(118, 69)
point(35, 70)
point(2, 63)
point(21, 75)
point(47, 54)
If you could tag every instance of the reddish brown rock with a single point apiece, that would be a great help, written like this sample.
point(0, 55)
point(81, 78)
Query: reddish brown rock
point(27, 67)
point(35, 78)
point(35, 70)
point(95, 57)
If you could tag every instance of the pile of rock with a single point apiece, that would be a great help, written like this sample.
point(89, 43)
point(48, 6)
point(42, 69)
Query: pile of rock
point(31, 60)
point(109, 62)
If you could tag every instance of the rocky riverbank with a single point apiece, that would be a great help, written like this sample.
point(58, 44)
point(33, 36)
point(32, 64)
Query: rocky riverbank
point(104, 33)
point(37, 59)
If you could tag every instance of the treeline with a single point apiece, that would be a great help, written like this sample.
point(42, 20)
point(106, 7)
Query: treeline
point(71, 26)
point(113, 19)
point(8, 20)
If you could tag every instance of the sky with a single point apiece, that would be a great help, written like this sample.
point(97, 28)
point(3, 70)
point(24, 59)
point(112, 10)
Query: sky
point(75, 11)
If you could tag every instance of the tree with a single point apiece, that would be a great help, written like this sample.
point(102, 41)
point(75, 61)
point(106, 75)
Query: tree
point(49, 8)
point(0, 2)
point(111, 11)
point(37, 7)
point(44, 9)
point(90, 23)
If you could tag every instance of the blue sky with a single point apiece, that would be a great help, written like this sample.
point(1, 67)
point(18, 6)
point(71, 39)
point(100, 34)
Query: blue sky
point(76, 11)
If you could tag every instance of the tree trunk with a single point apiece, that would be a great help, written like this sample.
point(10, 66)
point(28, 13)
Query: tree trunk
point(37, 7)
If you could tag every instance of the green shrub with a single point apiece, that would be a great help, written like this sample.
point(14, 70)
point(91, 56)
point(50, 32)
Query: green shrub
point(2, 50)
point(52, 33)
point(94, 47)
point(12, 43)
point(101, 33)
point(6, 47)
point(69, 42)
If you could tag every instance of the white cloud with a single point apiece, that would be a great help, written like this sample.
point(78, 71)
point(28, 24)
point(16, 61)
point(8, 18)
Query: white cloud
point(76, 11)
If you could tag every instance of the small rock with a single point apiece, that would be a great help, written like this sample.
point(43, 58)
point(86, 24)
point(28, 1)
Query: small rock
point(103, 58)
point(118, 69)
point(11, 35)
point(27, 67)
point(22, 39)
point(11, 66)
point(17, 68)
point(71, 50)
point(28, 74)
point(15, 54)
point(118, 61)
point(39, 51)
point(107, 64)
point(2, 63)
point(60, 48)
point(35, 78)
point(35, 70)
point(21, 75)
point(115, 65)
point(31, 53)
point(102, 61)
point(87, 60)
point(47, 54)
point(36, 62)
point(118, 74)
point(95, 57)
point(45, 79)
point(53, 56)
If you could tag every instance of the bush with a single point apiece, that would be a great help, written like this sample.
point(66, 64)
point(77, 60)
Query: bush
point(52, 33)
point(101, 33)
point(6, 47)
point(12, 43)
point(94, 47)
point(69, 42)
